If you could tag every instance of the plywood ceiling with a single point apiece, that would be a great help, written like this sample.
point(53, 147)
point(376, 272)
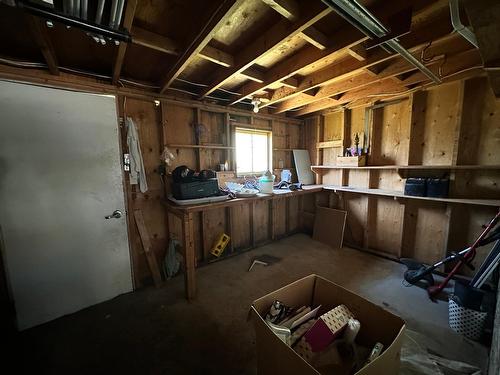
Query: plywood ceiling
point(300, 56)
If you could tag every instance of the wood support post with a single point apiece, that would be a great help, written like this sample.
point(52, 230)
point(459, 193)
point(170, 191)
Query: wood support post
point(189, 256)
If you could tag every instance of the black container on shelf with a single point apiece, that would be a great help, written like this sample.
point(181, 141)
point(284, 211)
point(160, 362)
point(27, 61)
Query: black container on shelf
point(438, 187)
point(415, 187)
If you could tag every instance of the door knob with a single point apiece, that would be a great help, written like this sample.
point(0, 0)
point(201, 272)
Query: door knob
point(115, 215)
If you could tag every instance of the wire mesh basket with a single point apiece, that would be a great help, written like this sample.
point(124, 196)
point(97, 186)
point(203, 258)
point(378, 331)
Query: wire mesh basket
point(464, 321)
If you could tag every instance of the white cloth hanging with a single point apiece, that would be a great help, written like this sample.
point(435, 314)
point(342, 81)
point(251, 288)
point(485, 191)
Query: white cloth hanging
point(137, 171)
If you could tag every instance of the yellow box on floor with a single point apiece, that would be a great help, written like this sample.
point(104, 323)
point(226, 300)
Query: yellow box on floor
point(377, 325)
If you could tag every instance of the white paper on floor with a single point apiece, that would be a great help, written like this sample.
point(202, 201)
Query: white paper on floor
point(415, 360)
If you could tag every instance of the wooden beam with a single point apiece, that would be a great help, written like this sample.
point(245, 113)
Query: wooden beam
point(350, 67)
point(428, 24)
point(291, 82)
point(128, 19)
point(272, 38)
point(315, 37)
point(42, 40)
point(391, 89)
point(377, 73)
point(166, 45)
point(373, 89)
point(484, 16)
point(291, 11)
point(453, 65)
point(222, 14)
point(287, 8)
point(358, 52)
point(154, 41)
point(217, 56)
point(306, 57)
point(253, 74)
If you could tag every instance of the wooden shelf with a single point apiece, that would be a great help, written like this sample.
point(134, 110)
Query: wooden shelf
point(406, 171)
point(214, 147)
point(400, 195)
point(410, 167)
point(336, 143)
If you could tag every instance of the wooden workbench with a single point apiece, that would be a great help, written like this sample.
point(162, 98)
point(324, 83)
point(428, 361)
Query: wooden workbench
point(185, 214)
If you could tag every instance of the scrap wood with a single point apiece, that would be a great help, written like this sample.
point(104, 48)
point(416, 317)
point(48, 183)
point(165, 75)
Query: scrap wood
point(148, 247)
point(329, 225)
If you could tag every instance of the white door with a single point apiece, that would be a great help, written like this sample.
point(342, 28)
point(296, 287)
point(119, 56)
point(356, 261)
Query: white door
point(60, 175)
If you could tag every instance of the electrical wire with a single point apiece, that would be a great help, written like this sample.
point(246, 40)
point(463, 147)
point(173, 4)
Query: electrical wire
point(204, 85)
point(423, 85)
point(35, 65)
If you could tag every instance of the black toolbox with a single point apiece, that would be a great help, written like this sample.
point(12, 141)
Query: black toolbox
point(195, 189)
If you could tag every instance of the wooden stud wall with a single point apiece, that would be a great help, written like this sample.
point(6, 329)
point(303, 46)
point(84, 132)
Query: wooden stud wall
point(453, 124)
point(183, 125)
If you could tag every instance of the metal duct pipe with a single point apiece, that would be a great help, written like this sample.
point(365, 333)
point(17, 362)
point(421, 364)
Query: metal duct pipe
point(112, 15)
point(69, 7)
point(119, 13)
point(363, 20)
point(65, 6)
point(458, 26)
point(84, 6)
point(93, 28)
point(77, 8)
point(100, 10)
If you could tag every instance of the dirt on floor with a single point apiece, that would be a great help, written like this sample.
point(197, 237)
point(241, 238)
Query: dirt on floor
point(156, 331)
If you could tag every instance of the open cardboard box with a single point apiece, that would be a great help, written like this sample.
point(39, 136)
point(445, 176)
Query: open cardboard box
point(377, 325)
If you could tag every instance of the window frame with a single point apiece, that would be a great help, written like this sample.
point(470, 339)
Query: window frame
point(254, 131)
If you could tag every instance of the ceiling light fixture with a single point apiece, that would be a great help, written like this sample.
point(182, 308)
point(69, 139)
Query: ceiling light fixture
point(256, 102)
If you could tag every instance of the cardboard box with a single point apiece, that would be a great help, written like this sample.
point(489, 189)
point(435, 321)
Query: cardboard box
point(377, 325)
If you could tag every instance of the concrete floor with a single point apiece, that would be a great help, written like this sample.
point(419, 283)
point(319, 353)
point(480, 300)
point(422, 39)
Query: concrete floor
point(155, 331)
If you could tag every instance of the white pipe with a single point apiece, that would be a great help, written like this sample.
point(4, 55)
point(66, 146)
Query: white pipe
point(459, 26)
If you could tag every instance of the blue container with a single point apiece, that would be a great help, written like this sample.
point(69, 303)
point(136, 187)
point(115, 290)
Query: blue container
point(438, 187)
point(415, 187)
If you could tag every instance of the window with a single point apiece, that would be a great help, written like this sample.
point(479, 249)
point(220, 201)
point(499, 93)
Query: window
point(253, 151)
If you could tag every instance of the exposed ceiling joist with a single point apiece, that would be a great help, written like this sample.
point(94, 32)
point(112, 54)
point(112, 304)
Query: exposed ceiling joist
point(315, 37)
point(348, 68)
point(223, 12)
point(454, 65)
point(154, 41)
point(375, 88)
point(42, 39)
point(269, 40)
point(484, 15)
point(253, 74)
point(347, 40)
point(217, 56)
point(290, 10)
point(166, 45)
point(358, 52)
point(447, 44)
point(307, 57)
point(128, 19)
